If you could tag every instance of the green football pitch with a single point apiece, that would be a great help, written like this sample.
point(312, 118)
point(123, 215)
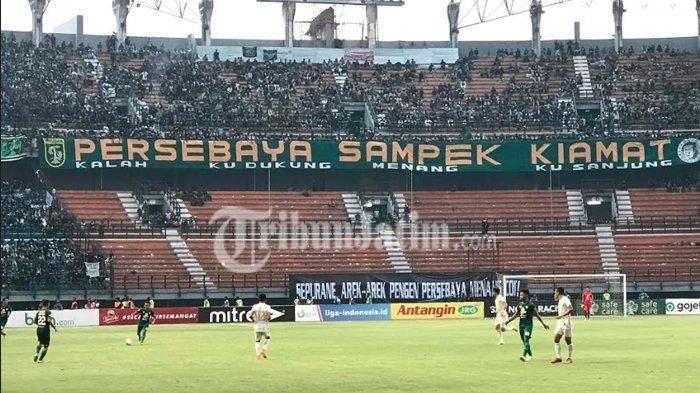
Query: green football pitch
point(636, 354)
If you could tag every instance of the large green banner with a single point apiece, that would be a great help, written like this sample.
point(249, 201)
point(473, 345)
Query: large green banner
point(466, 156)
point(13, 148)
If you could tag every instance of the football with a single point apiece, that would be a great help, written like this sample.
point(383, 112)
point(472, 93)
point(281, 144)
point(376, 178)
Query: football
point(127, 341)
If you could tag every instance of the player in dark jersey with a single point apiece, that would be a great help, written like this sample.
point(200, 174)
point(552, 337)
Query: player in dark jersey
point(526, 310)
point(5, 311)
point(146, 317)
point(44, 322)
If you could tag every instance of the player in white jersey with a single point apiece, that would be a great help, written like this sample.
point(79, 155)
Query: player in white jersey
point(261, 314)
point(564, 310)
point(501, 315)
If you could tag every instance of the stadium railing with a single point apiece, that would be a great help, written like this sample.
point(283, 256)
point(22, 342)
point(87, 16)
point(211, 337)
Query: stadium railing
point(126, 283)
point(658, 224)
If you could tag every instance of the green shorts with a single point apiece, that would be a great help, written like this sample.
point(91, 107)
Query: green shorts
point(3, 322)
point(142, 326)
point(525, 332)
point(44, 336)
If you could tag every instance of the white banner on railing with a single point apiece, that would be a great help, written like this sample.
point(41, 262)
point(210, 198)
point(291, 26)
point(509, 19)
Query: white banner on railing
point(62, 318)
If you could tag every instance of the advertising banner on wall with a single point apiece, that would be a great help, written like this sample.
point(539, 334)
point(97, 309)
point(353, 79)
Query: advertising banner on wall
point(463, 310)
point(612, 154)
point(683, 306)
point(646, 307)
point(240, 314)
point(396, 287)
point(545, 308)
point(307, 313)
point(166, 315)
point(341, 312)
point(61, 318)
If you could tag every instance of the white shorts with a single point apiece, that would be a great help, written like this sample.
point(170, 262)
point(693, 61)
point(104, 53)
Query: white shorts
point(563, 329)
point(501, 319)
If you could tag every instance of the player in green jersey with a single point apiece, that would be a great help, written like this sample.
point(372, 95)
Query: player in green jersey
point(526, 310)
point(43, 321)
point(146, 316)
point(5, 311)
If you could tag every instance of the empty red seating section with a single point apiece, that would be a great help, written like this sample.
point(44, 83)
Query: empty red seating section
point(316, 206)
point(660, 203)
point(136, 261)
point(286, 261)
point(493, 205)
point(659, 257)
point(532, 254)
point(93, 205)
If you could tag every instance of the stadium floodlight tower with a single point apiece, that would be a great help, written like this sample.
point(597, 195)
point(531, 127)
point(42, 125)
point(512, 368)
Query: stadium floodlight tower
point(536, 18)
point(121, 12)
point(453, 19)
point(38, 8)
point(618, 9)
point(206, 8)
point(289, 9)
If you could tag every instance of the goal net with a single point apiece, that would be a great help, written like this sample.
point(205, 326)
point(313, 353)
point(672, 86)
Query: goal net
point(609, 291)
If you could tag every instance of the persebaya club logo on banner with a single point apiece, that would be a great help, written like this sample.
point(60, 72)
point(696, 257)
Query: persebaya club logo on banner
point(435, 157)
point(54, 152)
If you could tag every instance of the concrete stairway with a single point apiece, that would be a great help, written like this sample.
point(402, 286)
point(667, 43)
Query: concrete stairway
point(401, 205)
point(353, 206)
point(131, 206)
point(184, 212)
point(577, 214)
point(340, 79)
point(624, 207)
point(585, 90)
point(396, 256)
point(608, 251)
point(179, 247)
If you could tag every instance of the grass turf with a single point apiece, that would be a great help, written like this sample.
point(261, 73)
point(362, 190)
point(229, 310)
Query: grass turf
point(650, 354)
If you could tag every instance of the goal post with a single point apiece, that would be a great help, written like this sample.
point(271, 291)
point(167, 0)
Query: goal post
point(610, 290)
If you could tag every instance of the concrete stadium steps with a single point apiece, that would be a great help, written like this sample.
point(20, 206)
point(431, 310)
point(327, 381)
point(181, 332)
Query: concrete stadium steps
point(477, 205)
point(145, 258)
point(577, 214)
point(585, 90)
point(317, 206)
point(395, 253)
point(93, 205)
point(660, 203)
point(131, 206)
point(607, 249)
point(663, 257)
point(534, 254)
point(623, 205)
point(189, 261)
point(353, 206)
point(286, 261)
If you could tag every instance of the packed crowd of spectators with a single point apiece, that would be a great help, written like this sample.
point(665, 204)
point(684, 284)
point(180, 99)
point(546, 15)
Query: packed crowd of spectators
point(36, 249)
point(176, 94)
point(30, 210)
point(42, 263)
